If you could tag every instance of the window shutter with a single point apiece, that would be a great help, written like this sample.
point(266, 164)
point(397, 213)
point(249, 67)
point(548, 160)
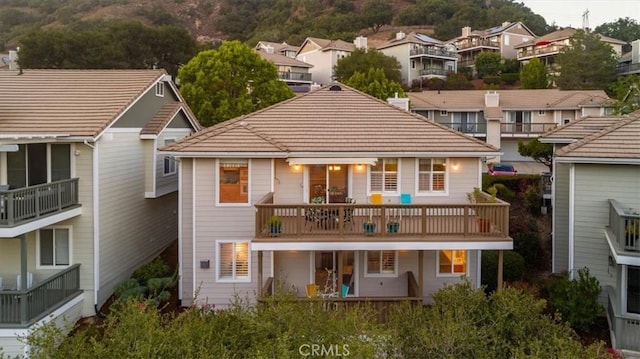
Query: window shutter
point(373, 262)
point(46, 247)
point(62, 246)
point(388, 262)
point(226, 260)
point(242, 259)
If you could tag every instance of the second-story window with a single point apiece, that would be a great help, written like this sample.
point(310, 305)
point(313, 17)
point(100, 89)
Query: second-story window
point(383, 176)
point(169, 166)
point(160, 89)
point(233, 182)
point(432, 175)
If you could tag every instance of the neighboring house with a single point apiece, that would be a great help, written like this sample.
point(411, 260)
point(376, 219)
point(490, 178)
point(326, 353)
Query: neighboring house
point(629, 63)
point(596, 216)
point(504, 117)
point(283, 49)
point(293, 72)
point(421, 56)
point(85, 197)
point(548, 46)
point(501, 39)
point(304, 194)
point(324, 54)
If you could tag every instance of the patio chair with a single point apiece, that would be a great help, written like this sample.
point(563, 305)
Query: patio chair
point(315, 216)
point(312, 290)
point(348, 212)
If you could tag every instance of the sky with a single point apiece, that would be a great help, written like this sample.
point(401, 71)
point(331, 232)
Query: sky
point(569, 12)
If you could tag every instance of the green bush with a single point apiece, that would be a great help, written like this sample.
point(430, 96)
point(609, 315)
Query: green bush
point(576, 300)
point(152, 281)
point(513, 268)
point(491, 80)
point(510, 78)
point(504, 193)
point(157, 268)
point(527, 244)
point(533, 200)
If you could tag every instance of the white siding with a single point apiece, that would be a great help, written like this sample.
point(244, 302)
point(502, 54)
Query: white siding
point(510, 149)
point(186, 230)
point(133, 229)
point(401, 53)
point(167, 183)
point(594, 186)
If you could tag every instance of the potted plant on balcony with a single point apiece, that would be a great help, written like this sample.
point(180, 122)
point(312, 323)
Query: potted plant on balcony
point(369, 227)
point(484, 225)
point(632, 231)
point(393, 224)
point(275, 225)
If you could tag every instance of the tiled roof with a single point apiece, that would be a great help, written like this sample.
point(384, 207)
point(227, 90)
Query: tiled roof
point(563, 34)
point(326, 45)
point(619, 141)
point(333, 123)
point(412, 38)
point(542, 99)
point(164, 116)
point(283, 60)
point(581, 128)
point(71, 102)
point(277, 47)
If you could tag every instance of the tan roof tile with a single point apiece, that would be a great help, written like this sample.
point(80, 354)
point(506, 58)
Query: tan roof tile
point(581, 128)
point(70, 102)
point(283, 60)
point(331, 122)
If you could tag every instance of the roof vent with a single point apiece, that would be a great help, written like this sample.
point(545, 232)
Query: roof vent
point(335, 88)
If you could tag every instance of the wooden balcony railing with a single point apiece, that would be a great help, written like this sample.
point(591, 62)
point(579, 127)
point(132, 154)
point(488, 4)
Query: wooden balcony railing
point(294, 76)
point(513, 128)
point(625, 330)
point(26, 204)
point(468, 127)
point(21, 308)
point(625, 225)
point(546, 50)
point(469, 44)
point(342, 220)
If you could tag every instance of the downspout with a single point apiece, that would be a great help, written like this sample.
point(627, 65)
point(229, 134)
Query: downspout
point(96, 226)
point(572, 179)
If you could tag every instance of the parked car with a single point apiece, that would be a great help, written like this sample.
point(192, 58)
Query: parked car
point(502, 169)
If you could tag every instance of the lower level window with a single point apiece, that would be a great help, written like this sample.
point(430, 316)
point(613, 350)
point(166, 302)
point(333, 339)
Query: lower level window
point(633, 289)
point(54, 247)
point(233, 261)
point(381, 263)
point(452, 262)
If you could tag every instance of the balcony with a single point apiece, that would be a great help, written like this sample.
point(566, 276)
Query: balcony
point(477, 43)
point(625, 330)
point(508, 128)
point(24, 205)
point(476, 128)
point(294, 76)
point(536, 51)
point(434, 71)
point(406, 222)
point(626, 69)
point(624, 224)
point(430, 51)
point(21, 308)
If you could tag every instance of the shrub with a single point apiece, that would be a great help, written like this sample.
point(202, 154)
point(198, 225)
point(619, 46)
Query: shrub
point(157, 268)
point(527, 244)
point(533, 200)
point(151, 281)
point(504, 193)
point(576, 300)
point(513, 268)
point(491, 80)
point(510, 78)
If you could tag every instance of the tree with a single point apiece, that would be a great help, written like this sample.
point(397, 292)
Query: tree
point(377, 13)
point(362, 60)
point(541, 152)
point(586, 63)
point(626, 29)
point(488, 64)
point(534, 75)
point(375, 84)
point(230, 81)
point(626, 91)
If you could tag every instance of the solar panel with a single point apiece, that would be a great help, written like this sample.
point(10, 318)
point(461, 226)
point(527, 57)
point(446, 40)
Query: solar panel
point(425, 38)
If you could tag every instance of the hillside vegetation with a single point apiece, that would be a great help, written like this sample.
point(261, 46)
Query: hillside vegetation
point(273, 20)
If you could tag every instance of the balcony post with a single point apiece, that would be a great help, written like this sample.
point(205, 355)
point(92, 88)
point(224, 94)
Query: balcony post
point(500, 265)
point(260, 260)
point(23, 279)
point(339, 273)
point(420, 271)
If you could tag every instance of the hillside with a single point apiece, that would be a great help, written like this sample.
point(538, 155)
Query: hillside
point(273, 20)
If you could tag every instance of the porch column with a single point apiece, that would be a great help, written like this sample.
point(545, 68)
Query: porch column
point(23, 278)
point(500, 265)
point(420, 272)
point(339, 273)
point(260, 285)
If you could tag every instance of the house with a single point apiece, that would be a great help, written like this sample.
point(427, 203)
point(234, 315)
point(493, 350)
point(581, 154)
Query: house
point(548, 46)
point(421, 56)
point(629, 63)
point(324, 54)
point(504, 117)
point(596, 219)
point(500, 39)
point(332, 189)
point(283, 49)
point(85, 198)
point(293, 72)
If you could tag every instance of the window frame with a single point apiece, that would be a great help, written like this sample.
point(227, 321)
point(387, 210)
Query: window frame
point(383, 173)
point(431, 192)
point(381, 273)
point(625, 294)
point(234, 278)
point(452, 273)
point(169, 159)
point(542, 112)
point(243, 186)
point(39, 264)
point(159, 88)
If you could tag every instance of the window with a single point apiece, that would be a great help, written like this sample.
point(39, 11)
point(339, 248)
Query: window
point(54, 247)
point(444, 113)
point(169, 163)
point(160, 89)
point(452, 262)
point(38, 163)
point(465, 122)
point(519, 121)
point(566, 121)
point(542, 112)
point(381, 263)
point(432, 174)
point(233, 261)
point(413, 64)
point(233, 181)
point(633, 289)
point(383, 176)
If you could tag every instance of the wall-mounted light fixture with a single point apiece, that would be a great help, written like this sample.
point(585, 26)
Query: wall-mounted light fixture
point(334, 167)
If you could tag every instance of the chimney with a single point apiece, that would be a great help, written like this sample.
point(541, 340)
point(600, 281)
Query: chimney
point(635, 51)
point(492, 99)
point(400, 35)
point(268, 49)
point(399, 102)
point(466, 31)
point(506, 23)
point(13, 59)
point(360, 42)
